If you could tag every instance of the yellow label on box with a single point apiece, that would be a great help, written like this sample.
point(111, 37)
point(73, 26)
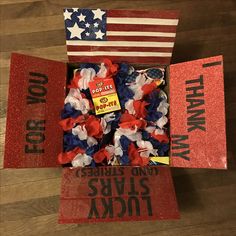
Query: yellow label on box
point(107, 103)
point(162, 160)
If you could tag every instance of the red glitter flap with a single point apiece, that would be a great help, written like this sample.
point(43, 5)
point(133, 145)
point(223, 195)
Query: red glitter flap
point(106, 194)
point(197, 114)
point(36, 96)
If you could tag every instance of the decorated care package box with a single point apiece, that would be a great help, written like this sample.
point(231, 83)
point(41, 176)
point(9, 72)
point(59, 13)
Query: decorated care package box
point(103, 193)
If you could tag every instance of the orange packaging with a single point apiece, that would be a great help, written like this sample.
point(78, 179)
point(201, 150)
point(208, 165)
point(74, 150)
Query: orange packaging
point(105, 98)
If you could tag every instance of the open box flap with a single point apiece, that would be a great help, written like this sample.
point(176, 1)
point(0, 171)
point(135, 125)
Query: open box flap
point(197, 114)
point(134, 36)
point(36, 96)
point(121, 193)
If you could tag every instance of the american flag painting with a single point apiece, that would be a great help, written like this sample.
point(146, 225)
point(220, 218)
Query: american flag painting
point(132, 36)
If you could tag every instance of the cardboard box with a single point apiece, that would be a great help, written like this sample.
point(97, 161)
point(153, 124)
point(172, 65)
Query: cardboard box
point(37, 89)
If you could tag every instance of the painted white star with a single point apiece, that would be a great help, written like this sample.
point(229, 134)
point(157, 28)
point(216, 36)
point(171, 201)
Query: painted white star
point(87, 33)
point(99, 34)
point(87, 25)
point(75, 9)
point(67, 15)
point(81, 17)
point(98, 13)
point(75, 31)
point(95, 24)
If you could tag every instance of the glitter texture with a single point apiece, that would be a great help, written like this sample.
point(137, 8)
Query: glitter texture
point(22, 109)
point(207, 149)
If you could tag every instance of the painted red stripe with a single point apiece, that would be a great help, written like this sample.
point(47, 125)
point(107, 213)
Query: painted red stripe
point(142, 28)
point(140, 38)
point(117, 49)
point(118, 59)
point(143, 14)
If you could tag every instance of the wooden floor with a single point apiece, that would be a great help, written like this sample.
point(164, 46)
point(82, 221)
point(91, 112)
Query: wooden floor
point(207, 198)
